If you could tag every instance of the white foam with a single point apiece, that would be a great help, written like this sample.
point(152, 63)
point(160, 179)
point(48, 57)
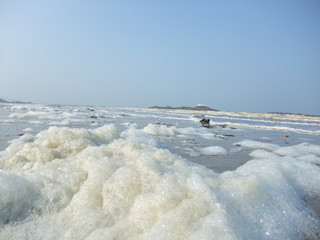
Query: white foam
point(18, 197)
point(199, 132)
point(299, 150)
point(303, 151)
point(256, 144)
point(154, 129)
point(213, 150)
point(137, 136)
point(28, 130)
point(263, 154)
point(68, 183)
point(32, 115)
point(269, 128)
point(60, 123)
point(188, 131)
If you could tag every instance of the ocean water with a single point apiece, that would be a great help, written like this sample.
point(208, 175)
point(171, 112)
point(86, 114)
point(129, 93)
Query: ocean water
point(79, 172)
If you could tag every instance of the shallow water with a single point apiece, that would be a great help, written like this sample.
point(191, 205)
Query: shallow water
point(78, 172)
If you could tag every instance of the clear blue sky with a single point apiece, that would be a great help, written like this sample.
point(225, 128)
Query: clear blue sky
point(256, 56)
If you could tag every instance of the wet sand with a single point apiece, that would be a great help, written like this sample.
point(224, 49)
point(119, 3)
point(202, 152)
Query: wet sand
point(314, 204)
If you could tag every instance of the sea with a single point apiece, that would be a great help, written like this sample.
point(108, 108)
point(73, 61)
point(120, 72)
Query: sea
point(92, 172)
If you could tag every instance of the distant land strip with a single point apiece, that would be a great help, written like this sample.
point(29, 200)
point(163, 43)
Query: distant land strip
point(4, 101)
point(199, 107)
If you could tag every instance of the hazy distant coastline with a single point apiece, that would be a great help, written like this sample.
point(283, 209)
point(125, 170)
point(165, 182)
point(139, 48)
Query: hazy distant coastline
point(199, 107)
point(4, 101)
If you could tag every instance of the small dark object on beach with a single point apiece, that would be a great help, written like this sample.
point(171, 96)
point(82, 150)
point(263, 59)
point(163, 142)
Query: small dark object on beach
point(205, 122)
point(20, 134)
point(228, 135)
point(165, 124)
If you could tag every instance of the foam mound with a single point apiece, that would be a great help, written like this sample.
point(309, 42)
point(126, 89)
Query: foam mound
point(68, 183)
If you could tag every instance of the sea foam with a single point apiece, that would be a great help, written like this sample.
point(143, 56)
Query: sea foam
point(74, 183)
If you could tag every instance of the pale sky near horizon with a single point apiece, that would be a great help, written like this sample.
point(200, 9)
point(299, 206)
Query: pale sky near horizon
point(255, 56)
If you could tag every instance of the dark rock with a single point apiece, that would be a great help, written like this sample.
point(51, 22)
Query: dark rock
point(205, 122)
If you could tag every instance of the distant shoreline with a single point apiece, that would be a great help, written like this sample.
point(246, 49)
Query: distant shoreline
point(199, 107)
point(4, 101)
point(206, 108)
point(196, 108)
